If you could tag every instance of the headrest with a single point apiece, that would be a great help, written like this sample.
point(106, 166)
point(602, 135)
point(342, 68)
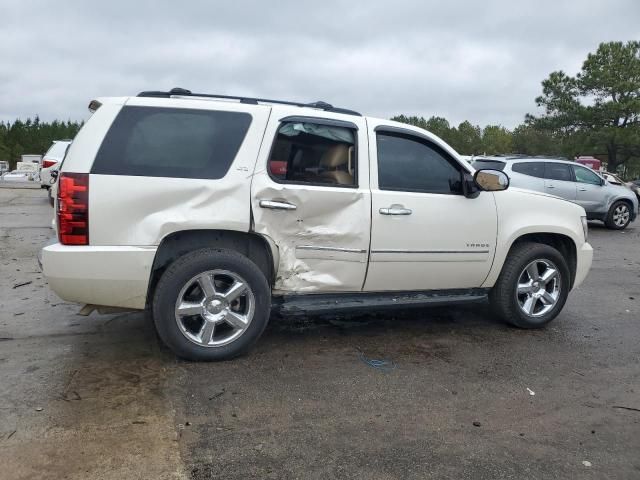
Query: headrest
point(335, 156)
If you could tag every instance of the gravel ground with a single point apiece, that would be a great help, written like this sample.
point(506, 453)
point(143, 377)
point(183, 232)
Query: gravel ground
point(467, 397)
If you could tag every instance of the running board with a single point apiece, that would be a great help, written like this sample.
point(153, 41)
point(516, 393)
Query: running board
point(373, 301)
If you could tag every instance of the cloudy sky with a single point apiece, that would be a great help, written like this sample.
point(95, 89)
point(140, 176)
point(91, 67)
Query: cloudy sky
point(476, 60)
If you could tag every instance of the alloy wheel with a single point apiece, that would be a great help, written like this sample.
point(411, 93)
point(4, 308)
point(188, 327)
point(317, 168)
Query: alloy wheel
point(538, 288)
point(214, 308)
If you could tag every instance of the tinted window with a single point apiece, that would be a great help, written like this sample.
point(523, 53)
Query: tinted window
point(558, 171)
point(584, 175)
point(171, 142)
point(534, 169)
point(409, 164)
point(490, 164)
point(314, 154)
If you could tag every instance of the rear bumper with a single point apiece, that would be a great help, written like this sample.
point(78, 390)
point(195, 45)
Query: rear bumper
point(112, 276)
point(583, 263)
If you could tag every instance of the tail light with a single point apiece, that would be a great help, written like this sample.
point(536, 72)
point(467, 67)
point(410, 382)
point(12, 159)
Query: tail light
point(73, 208)
point(46, 163)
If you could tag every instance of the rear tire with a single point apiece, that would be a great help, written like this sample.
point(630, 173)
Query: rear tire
point(619, 216)
point(532, 287)
point(211, 304)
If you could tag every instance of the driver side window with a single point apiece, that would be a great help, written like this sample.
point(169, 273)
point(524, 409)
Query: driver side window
point(409, 164)
point(584, 175)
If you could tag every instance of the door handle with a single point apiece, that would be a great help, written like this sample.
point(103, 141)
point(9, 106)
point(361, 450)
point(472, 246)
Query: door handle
point(276, 205)
point(582, 189)
point(550, 186)
point(395, 210)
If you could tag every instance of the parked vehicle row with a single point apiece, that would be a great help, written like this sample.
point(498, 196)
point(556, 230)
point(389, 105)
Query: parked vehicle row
point(205, 211)
point(611, 203)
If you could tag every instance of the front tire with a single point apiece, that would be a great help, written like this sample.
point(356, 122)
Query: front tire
point(619, 216)
point(211, 304)
point(532, 287)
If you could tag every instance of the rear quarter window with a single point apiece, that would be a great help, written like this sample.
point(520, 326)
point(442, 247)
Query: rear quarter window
point(171, 142)
point(533, 169)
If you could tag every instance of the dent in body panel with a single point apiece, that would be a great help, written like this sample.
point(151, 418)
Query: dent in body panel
point(323, 244)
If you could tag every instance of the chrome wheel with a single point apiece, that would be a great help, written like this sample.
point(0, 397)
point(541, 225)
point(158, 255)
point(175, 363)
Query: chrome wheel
point(538, 288)
point(621, 215)
point(214, 308)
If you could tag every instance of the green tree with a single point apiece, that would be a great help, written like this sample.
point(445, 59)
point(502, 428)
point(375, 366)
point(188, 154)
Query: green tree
point(496, 140)
point(468, 139)
point(598, 110)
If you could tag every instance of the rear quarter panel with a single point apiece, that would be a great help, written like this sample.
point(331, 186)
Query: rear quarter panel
point(142, 210)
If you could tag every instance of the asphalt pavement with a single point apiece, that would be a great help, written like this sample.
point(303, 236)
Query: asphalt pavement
point(460, 394)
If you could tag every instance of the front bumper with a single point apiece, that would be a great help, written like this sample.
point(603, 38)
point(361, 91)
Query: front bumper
point(584, 259)
point(100, 275)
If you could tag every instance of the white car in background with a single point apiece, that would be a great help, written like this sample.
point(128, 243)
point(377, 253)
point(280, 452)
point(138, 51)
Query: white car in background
point(51, 161)
point(18, 176)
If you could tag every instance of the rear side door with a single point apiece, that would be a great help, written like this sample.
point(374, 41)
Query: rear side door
point(310, 198)
point(559, 180)
point(590, 194)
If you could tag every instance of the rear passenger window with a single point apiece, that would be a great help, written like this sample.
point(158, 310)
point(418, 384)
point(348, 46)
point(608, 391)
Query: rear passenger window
point(316, 154)
point(409, 164)
point(172, 142)
point(558, 171)
point(533, 169)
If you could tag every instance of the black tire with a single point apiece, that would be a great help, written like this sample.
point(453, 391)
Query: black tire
point(180, 273)
point(611, 222)
point(502, 297)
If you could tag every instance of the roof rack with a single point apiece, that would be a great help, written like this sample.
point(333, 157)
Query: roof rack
point(181, 92)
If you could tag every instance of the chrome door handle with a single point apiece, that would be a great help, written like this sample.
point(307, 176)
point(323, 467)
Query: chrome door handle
point(395, 210)
point(582, 189)
point(275, 205)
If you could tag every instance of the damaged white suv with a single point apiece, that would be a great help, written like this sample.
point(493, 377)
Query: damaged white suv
point(207, 210)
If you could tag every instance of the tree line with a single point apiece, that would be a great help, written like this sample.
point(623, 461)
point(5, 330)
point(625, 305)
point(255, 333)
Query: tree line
point(596, 112)
point(32, 136)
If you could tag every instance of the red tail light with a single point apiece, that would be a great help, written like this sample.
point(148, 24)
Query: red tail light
point(73, 208)
point(48, 163)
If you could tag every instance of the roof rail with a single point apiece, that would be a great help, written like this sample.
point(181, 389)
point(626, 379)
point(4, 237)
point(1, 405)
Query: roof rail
point(181, 92)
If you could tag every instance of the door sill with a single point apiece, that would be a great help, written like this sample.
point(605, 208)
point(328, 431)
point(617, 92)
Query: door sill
point(363, 301)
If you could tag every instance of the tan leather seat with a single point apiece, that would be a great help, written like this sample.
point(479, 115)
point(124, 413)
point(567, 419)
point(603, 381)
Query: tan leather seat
point(335, 161)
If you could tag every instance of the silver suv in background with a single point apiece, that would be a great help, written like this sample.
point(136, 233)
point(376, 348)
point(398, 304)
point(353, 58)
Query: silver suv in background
point(615, 205)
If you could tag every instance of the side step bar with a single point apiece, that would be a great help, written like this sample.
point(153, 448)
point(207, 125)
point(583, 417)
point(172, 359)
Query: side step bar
point(374, 301)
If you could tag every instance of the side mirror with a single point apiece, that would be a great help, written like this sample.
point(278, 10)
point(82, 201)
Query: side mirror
point(491, 180)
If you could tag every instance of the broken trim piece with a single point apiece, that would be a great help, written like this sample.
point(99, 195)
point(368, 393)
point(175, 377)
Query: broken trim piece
point(391, 250)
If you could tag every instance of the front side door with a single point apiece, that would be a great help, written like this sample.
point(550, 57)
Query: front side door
point(425, 235)
point(589, 194)
point(310, 198)
point(559, 180)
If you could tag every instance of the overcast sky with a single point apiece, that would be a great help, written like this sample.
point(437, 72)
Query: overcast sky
point(476, 60)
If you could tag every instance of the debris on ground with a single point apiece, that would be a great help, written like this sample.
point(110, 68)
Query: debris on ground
point(39, 409)
point(22, 284)
point(586, 463)
point(477, 424)
point(382, 364)
point(621, 407)
point(531, 392)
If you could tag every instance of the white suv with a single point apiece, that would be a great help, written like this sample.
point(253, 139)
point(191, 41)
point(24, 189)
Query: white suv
point(208, 209)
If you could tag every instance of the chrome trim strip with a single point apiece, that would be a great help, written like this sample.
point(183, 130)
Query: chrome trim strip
point(428, 251)
point(330, 249)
